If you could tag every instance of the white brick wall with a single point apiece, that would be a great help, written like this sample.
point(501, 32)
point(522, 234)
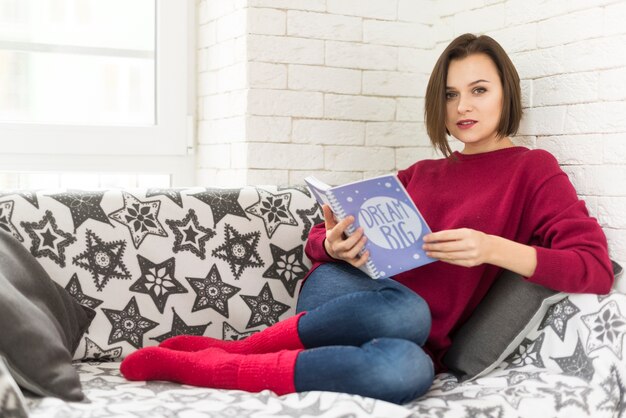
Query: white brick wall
point(571, 57)
point(335, 88)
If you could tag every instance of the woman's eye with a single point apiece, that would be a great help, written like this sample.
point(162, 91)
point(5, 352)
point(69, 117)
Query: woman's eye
point(482, 90)
point(449, 96)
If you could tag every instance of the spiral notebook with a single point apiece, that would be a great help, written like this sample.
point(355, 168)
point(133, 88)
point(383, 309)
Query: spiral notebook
point(392, 223)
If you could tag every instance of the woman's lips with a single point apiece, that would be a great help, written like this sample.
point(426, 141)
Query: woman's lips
point(466, 126)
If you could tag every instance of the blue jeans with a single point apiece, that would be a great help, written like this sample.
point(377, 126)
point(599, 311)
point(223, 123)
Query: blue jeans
point(362, 336)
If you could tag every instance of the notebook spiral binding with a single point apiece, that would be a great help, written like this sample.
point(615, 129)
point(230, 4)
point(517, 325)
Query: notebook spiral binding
point(341, 214)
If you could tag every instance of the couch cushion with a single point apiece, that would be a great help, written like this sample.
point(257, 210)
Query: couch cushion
point(155, 263)
point(512, 307)
point(41, 324)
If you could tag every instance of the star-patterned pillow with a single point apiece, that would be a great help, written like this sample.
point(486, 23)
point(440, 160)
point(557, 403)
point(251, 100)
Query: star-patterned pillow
point(499, 325)
point(508, 312)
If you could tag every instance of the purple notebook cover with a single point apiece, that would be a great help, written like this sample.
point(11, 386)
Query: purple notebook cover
point(391, 221)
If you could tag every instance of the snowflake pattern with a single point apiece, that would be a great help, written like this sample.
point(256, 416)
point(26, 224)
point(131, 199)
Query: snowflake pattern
point(128, 324)
point(273, 209)
point(528, 352)
point(212, 292)
point(558, 315)
point(607, 328)
point(239, 250)
point(141, 218)
point(288, 267)
point(103, 260)
point(265, 309)
point(158, 281)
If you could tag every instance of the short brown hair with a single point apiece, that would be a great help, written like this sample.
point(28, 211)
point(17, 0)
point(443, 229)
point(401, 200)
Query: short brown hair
point(435, 101)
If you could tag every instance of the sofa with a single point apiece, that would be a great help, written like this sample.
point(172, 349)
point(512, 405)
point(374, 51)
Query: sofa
point(225, 263)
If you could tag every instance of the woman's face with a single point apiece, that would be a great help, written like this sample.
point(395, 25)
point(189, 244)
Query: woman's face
point(473, 92)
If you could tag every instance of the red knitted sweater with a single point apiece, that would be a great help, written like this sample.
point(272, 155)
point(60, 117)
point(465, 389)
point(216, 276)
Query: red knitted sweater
point(515, 193)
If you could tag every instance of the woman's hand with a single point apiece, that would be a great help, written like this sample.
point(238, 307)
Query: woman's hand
point(463, 247)
point(340, 246)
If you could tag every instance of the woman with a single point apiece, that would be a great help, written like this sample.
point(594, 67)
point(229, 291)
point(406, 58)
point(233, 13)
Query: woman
point(494, 206)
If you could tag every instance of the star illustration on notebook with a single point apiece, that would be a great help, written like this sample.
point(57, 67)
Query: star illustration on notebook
point(607, 328)
point(528, 352)
point(103, 260)
point(222, 202)
point(273, 209)
point(190, 235)
point(578, 364)
point(128, 324)
point(265, 309)
point(172, 194)
point(310, 217)
point(29, 195)
point(75, 290)
point(212, 292)
point(288, 267)
point(6, 213)
point(229, 333)
point(140, 218)
point(157, 281)
point(239, 250)
point(83, 205)
point(48, 240)
point(179, 327)
point(558, 315)
point(565, 395)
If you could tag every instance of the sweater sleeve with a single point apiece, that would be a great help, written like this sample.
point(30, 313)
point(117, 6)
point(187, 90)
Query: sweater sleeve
point(572, 249)
point(314, 248)
point(405, 175)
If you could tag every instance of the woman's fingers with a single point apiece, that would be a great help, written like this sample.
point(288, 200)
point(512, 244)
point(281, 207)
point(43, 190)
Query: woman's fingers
point(352, 251)
point(329, 219)
point(361, 260)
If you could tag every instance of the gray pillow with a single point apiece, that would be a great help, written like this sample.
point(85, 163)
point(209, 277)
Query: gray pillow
point(510, 310)
point(41, 325)
point(12, 403)
point(498, 325)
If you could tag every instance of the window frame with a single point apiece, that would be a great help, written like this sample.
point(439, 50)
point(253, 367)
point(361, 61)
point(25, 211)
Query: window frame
point(165, 147)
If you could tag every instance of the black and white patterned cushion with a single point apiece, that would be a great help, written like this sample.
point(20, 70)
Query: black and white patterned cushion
point(157, 263)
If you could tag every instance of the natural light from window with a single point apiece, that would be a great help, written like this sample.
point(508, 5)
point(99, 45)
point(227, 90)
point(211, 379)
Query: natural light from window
point(78, 62)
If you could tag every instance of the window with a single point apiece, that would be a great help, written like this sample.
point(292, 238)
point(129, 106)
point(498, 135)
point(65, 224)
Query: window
point(97, 86)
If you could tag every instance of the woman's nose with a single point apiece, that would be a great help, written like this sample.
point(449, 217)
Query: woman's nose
point(464, 104)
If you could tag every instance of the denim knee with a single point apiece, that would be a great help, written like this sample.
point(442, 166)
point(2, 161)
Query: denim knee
point(407, 315)
point(402, 370)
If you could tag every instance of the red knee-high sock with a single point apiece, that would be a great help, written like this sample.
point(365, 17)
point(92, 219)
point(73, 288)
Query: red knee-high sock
point(214, 368)
point(282, 335)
